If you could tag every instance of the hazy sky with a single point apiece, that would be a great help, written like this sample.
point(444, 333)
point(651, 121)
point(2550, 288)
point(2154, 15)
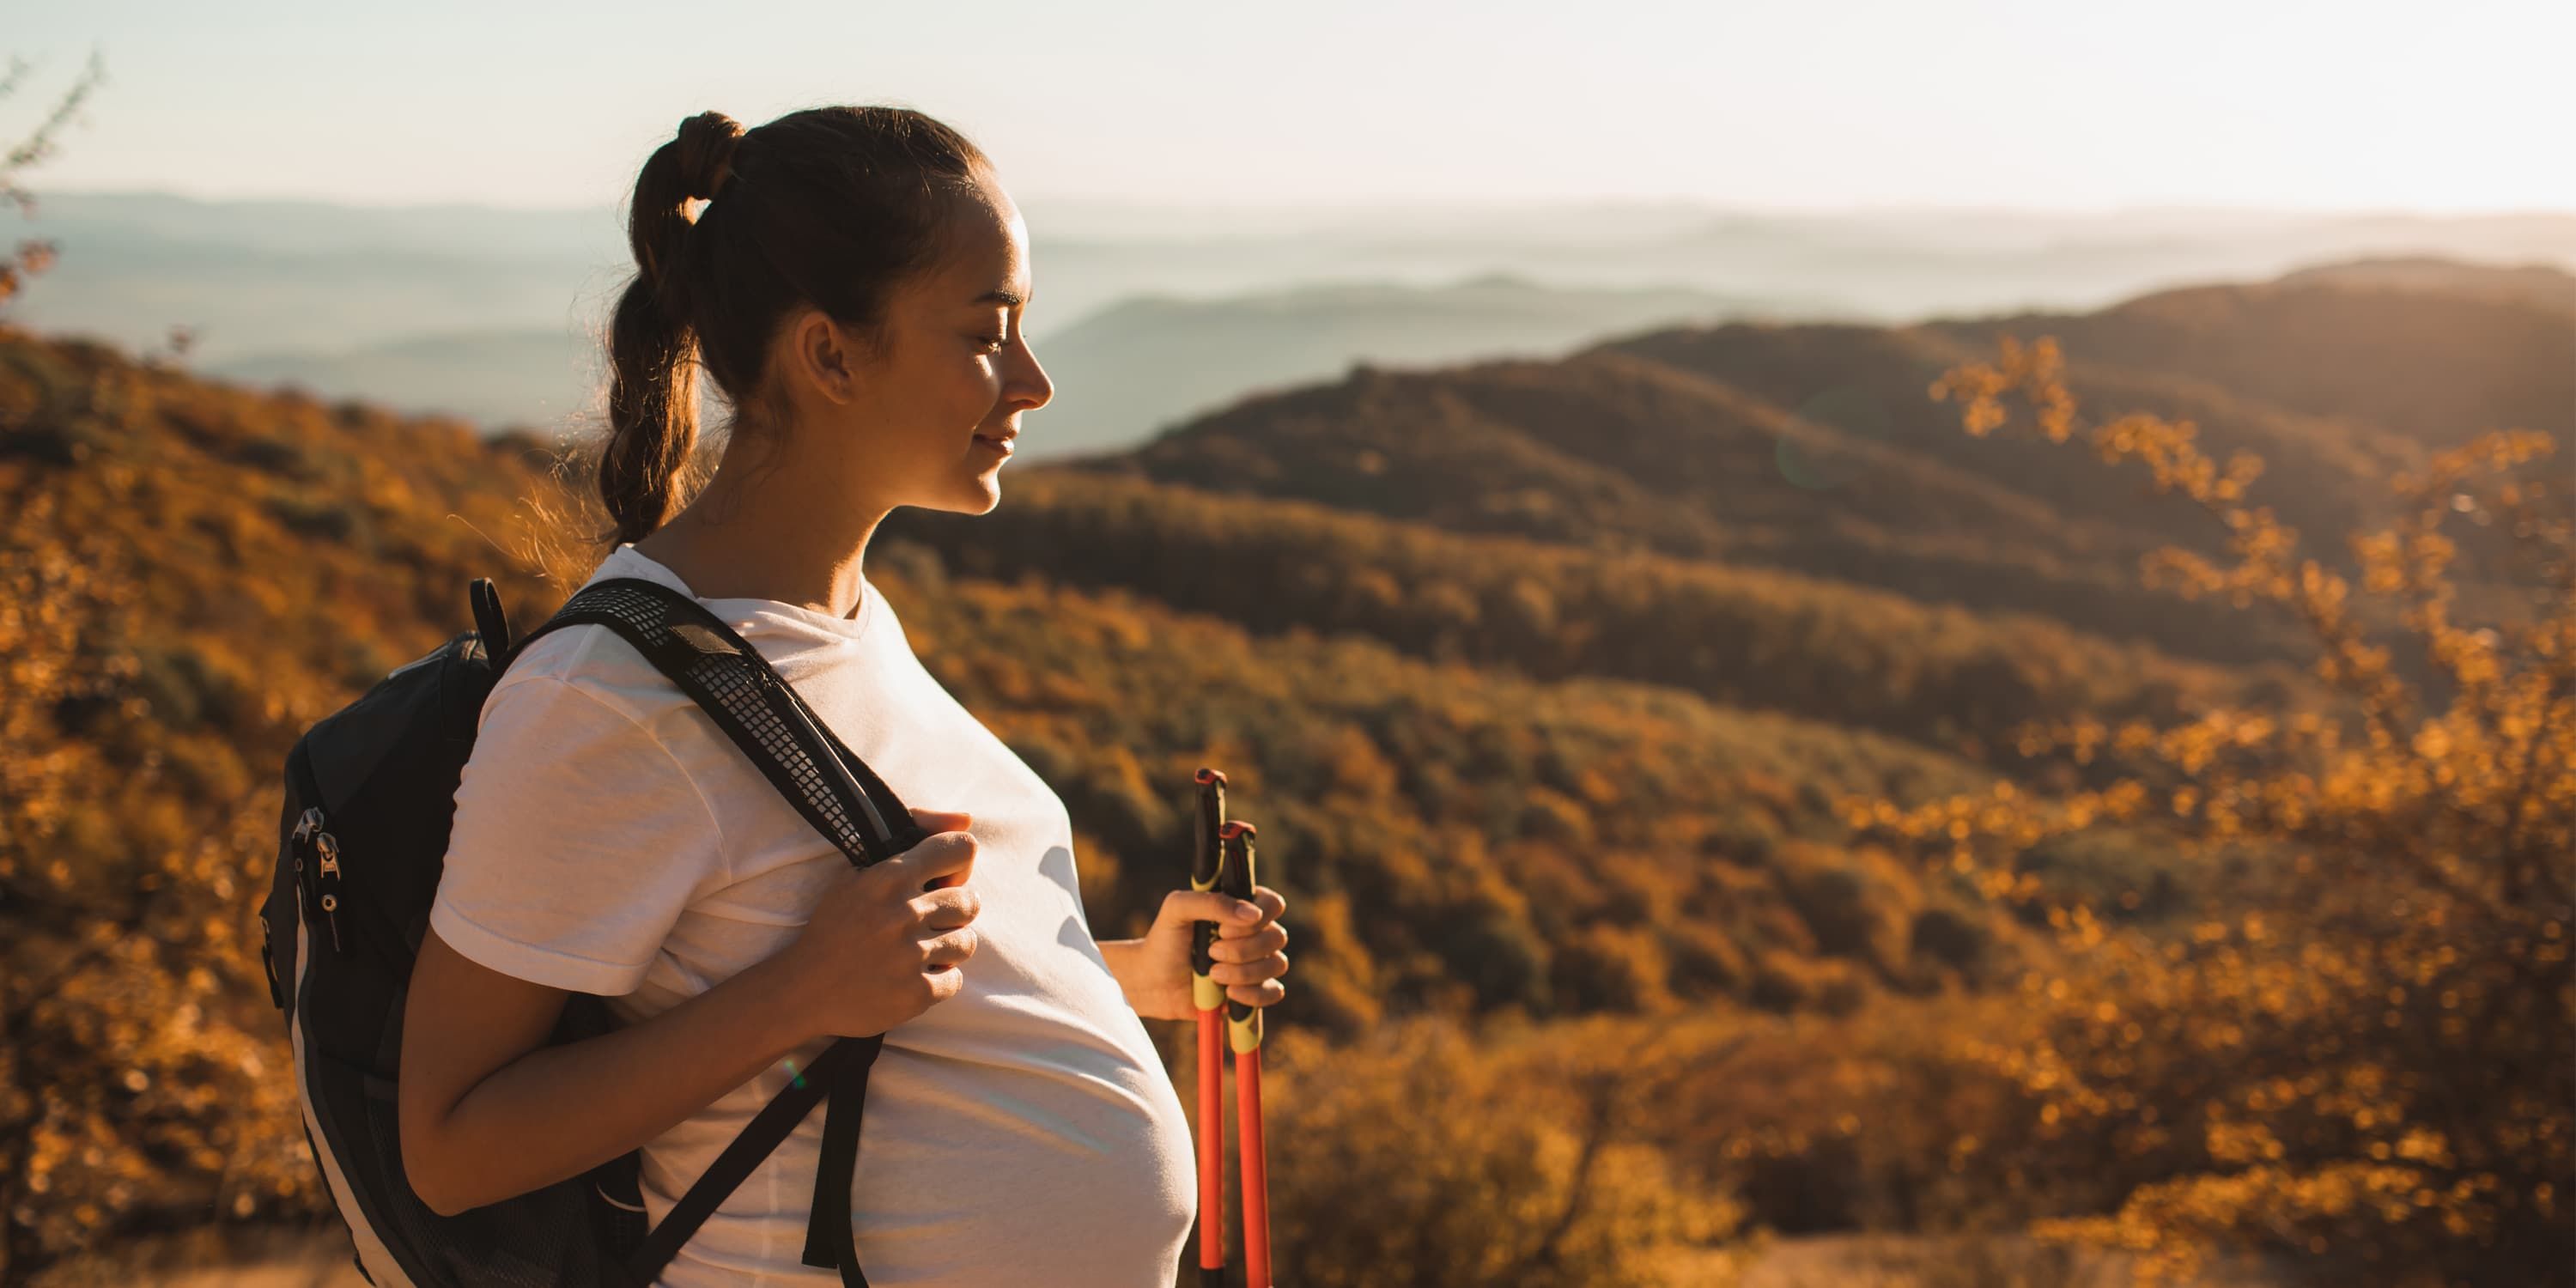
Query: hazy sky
point(2060, 104)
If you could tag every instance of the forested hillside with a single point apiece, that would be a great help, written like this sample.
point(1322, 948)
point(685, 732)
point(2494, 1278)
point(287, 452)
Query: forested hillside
point(1717, 792)
point(1746, 636)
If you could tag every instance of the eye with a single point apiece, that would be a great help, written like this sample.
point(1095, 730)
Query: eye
point(994, 342)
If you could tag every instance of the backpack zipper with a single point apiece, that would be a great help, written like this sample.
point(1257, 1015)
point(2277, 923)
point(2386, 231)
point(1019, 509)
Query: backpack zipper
point(326, 847)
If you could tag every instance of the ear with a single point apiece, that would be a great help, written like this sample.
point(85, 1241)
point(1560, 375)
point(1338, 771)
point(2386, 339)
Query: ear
point(823, 355)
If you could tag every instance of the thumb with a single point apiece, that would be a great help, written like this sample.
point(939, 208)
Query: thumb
point(942, 820)
point(1209, 905)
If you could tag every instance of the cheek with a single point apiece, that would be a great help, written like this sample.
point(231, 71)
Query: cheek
point(974, 391)
point(951, 396)
point(946, 411)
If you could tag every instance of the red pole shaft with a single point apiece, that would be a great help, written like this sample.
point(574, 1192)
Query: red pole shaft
point(1256, 1177)
point(1212, 1147)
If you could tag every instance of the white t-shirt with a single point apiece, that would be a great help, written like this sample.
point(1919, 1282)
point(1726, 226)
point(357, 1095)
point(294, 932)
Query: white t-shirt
point(608, 838)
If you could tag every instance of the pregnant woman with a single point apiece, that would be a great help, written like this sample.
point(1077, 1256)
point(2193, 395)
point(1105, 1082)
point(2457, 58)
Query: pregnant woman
point(854, 283)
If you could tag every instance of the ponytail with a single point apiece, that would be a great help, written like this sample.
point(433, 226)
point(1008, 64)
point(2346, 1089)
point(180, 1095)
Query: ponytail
point(653, 349)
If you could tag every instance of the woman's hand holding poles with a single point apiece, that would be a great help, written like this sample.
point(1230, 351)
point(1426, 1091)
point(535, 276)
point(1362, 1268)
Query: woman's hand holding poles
point(1249, 953)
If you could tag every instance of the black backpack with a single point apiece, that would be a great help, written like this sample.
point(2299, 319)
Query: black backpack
point(370, 791)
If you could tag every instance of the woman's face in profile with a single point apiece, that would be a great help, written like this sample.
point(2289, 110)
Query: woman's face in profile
point(928, 421)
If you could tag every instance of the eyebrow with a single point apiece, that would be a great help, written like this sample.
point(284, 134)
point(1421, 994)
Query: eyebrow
point(1006, 298)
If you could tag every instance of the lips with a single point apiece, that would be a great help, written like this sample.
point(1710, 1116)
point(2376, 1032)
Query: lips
point(1001, 443)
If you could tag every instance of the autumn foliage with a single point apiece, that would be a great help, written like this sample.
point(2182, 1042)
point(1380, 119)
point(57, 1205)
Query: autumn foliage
point(132, 1081)
point(2361, 1048)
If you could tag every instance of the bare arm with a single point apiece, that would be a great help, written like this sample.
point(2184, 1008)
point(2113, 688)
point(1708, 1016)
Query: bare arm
point(488, 1111)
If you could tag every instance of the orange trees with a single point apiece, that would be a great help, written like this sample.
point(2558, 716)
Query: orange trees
point(2361, 1048)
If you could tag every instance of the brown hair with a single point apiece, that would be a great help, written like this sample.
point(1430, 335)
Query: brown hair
point(829, 207)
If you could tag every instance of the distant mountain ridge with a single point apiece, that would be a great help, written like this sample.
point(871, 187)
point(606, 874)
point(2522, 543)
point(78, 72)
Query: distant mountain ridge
point(2546, 285)
point(1816, 448)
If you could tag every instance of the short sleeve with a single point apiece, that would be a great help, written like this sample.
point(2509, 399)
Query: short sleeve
point(577, 841)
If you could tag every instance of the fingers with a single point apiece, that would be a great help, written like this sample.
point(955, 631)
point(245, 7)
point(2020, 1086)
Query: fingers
point(949, 950)
point(949, 908)
point(1248, 957)
point(1246, 953)
point(1266, 993)
point(1251, 972)
point(1249, 945)
point(940, 985)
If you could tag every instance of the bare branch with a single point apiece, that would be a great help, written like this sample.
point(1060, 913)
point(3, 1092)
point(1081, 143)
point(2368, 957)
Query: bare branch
point(40, 144)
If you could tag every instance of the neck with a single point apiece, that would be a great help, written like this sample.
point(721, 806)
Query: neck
point(771, 530)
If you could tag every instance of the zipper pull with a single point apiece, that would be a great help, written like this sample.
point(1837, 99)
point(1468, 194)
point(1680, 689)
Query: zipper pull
point(306, 825)
point(328, 846)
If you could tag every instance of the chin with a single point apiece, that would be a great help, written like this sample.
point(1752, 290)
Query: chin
point(981, 496)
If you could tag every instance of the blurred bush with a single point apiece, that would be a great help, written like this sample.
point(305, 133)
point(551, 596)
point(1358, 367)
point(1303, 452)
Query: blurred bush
point(1426, 1155)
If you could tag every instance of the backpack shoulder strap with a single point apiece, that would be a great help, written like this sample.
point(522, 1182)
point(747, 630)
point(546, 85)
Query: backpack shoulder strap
point(763, 714)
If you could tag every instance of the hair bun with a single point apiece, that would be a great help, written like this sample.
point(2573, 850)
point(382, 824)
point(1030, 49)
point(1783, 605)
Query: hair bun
point(707, 141)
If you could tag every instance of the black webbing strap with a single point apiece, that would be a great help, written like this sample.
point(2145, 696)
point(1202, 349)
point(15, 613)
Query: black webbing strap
point(829, 1238)
point(697, 651)
point(759, 1138)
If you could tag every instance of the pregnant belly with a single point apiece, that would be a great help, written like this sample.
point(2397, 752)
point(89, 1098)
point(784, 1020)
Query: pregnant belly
point(969, 1173)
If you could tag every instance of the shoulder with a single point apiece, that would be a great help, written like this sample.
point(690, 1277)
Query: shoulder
point(583, 722)
point(582, 697)
point(584, 693)
point(594, 663)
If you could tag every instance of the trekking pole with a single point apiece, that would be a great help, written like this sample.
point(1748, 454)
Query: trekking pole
point(1207, 855)
point(1243, 1025)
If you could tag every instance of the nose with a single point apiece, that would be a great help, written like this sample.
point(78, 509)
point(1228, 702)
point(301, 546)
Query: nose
point(1029, 388)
